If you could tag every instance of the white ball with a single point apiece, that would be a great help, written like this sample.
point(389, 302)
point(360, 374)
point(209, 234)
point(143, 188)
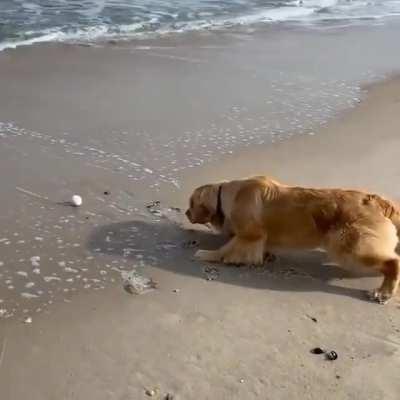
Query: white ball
point(76, 200)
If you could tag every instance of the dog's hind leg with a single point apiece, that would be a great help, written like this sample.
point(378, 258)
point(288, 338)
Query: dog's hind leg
point(371, 243)
point(390, 269)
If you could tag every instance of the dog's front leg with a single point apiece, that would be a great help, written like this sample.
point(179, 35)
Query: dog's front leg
point(237, 251)
point(216, 255)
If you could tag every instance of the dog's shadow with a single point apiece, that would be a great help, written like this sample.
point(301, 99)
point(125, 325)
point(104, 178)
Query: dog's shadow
point(168, 246)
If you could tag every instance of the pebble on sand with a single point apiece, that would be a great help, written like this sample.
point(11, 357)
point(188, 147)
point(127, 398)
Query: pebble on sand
point(317, 350)
point(76, 200)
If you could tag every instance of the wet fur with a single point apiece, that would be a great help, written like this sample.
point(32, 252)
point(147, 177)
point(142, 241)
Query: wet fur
point(261, 214)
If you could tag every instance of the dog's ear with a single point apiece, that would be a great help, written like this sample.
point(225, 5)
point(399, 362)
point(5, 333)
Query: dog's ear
point(203, 204)
point(208, 199)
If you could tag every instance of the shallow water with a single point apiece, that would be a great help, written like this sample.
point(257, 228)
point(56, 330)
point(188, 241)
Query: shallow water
point(233, 90)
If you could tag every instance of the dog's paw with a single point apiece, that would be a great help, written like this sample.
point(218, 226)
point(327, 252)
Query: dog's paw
point(207, 255)
point(379, 296)
point(232, 261)
point(242, 260)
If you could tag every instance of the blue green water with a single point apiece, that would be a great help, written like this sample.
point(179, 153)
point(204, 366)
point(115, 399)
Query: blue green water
point(31, 21)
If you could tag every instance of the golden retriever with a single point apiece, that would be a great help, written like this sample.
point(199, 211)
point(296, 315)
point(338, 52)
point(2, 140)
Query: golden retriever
point(260, 214)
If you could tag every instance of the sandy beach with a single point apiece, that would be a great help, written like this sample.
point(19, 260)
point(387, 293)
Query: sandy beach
point(223, 333)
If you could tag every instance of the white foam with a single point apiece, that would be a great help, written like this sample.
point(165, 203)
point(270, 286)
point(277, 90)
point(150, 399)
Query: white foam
point(51, 278)
point(35, 261)
point(306, 10)
point(69, 269)
point(54, 35)
point(274, 15)
point(29, 295)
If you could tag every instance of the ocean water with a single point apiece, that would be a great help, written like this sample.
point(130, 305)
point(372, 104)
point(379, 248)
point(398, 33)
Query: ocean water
point(25, 22)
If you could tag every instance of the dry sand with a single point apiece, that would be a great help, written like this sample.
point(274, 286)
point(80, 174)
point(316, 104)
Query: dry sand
point(248, 333)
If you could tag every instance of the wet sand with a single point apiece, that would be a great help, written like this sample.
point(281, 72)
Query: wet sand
point(245, 335)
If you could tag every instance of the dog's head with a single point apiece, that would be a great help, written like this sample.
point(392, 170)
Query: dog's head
point(203, 204)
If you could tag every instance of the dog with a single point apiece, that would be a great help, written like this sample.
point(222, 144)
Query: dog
point(259, 214)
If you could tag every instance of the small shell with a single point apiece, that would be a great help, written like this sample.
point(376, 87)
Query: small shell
point(331, 355)
point(211, 273)
point(190, 244)
point(153, 204)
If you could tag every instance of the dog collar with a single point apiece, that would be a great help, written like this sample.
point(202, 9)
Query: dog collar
point(220, 211)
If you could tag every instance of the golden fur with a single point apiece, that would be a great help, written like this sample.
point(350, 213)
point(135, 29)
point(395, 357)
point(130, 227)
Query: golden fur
point(260, 214)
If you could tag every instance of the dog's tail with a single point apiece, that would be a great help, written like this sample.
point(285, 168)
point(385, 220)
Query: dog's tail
point(389, 208)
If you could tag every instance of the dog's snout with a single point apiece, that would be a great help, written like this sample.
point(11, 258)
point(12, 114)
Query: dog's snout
point(188, 215)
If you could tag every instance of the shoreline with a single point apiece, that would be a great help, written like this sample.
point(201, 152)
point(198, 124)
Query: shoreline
point(238, 25)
